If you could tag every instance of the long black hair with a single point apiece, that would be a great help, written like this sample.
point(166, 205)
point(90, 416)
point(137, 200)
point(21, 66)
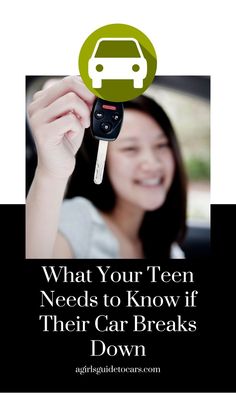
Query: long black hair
point(161, 227)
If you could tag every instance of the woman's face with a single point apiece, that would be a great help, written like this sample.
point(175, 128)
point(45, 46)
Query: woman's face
point(140, 163)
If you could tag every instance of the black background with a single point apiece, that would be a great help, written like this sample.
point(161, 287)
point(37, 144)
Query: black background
point(33, 361)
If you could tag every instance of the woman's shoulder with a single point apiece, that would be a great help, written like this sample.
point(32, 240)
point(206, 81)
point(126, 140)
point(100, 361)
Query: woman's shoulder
point(83, 226)
point(176, 252)
point(81, 206)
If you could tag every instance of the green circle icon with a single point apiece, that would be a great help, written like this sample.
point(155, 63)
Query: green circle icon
point(117, 62)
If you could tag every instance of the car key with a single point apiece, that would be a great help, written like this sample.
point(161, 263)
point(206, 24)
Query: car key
point(106, 121)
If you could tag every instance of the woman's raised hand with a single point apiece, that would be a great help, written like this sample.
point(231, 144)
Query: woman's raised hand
point(58, 116)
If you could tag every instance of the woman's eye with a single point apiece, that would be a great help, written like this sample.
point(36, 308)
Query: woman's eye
point(162, 145)
point(130, 149)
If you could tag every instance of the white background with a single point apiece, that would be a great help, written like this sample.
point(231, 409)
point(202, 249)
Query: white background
point(191, 38)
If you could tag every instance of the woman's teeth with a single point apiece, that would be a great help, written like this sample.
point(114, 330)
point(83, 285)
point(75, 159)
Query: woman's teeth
point(150, 182)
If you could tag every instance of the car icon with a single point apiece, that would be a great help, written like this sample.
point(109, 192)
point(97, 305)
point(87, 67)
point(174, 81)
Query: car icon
point(117, 59)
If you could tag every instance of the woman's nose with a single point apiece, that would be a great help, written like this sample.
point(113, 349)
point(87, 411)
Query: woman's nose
point(150, 161)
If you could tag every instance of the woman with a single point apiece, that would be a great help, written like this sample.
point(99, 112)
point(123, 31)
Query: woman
point(138, 211)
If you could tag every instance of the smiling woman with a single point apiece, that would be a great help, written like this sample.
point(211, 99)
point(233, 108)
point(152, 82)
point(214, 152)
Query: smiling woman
point(141, 164)
point(138, 211)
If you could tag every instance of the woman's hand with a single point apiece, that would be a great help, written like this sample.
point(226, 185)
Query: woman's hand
point(58, 117)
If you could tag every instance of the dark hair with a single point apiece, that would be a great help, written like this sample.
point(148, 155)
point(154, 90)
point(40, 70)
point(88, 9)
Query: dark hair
point(161, 227)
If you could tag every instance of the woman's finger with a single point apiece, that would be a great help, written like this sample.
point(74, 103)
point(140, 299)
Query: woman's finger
point(61, 126)
point(60, 88)
point(70, 102)
point(37, 95)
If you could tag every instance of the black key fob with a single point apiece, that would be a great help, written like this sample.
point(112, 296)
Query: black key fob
point(106, 119)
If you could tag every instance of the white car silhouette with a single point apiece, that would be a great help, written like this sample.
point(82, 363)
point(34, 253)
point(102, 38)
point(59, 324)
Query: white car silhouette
point(117, 59)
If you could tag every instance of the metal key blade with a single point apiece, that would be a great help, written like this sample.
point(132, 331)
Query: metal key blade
point(100, 162)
